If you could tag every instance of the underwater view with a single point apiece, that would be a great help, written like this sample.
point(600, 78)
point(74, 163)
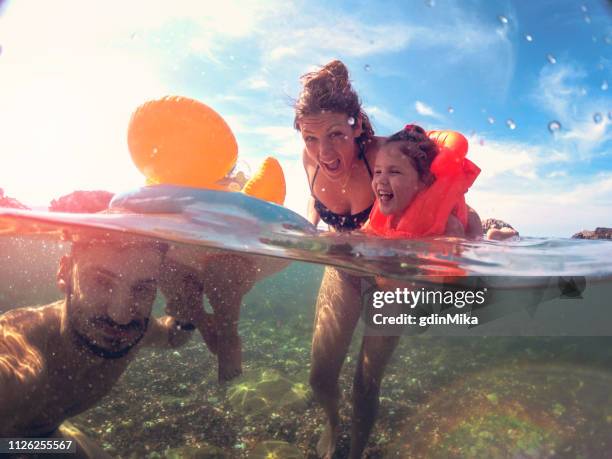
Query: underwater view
point(315, 229)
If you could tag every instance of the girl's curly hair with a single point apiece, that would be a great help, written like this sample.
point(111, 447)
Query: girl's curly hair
point(418, 146)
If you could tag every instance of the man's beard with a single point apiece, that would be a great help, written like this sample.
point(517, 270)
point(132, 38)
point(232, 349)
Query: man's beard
point(92, 345)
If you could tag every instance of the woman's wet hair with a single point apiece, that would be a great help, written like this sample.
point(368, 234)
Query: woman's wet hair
point(417, 145)
point(329, 90)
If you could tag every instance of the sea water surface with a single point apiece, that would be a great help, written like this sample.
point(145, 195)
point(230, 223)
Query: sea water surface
point(532, 380)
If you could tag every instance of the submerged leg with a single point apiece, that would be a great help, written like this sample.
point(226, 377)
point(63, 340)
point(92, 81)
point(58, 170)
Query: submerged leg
point(227, 280)
point(338, 309)
point(375, 353)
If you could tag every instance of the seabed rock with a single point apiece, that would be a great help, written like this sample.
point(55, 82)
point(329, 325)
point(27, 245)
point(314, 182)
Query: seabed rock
point(266, 391)
point(274, 449)
point(196, 452)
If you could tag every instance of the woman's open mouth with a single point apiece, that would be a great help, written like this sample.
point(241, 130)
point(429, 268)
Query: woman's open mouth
point(331, 166)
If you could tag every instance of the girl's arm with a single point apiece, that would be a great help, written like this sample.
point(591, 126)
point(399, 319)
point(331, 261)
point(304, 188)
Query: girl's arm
point(454, 228)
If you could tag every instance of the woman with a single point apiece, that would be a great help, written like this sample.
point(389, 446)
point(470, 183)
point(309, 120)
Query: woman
point(340, 150)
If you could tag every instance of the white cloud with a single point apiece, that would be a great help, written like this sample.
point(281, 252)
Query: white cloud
point(381, 117)
point(257, 82)
point(281, 52)
point(497, 158)
point(425, 110)
point(559, 91)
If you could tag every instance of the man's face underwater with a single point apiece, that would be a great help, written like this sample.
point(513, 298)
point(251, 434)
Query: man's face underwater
point(110, 294)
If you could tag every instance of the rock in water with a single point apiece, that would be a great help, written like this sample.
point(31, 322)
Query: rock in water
point(599, 233)
point(495, 224)
point(5, 201)
point(82, 202)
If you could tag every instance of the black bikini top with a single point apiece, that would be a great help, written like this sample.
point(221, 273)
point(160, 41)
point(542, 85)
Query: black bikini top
point(342, 222)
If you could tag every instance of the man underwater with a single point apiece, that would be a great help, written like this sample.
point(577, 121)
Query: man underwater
point(59, 360)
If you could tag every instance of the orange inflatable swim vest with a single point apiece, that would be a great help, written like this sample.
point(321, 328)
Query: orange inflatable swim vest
point(428, 213)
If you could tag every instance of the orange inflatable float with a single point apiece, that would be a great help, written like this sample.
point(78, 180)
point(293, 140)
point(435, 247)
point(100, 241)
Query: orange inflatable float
point(181, 141)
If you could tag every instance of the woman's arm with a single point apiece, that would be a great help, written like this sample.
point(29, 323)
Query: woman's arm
point(311, 213)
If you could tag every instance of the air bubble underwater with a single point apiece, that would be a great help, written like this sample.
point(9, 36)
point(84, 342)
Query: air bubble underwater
point(597, 118)
point(511, 124)
point(551, 59)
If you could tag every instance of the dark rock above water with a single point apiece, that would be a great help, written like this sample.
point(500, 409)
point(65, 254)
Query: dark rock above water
point(82, 202)
point(599, 233)
point(494, 223)
point(5, 201)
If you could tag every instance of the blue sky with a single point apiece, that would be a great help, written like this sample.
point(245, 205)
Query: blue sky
point(71, 73)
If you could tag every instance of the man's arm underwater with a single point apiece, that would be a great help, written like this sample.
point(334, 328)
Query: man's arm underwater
point(21, 365)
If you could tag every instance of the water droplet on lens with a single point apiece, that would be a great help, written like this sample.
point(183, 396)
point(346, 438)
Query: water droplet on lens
point(502, 19)
point(604, 85)
point(528, 37)
point(490, 120)
point(554, 126)
point(511, 124)
point(451, 110)
point(367, 67)
point(587, 18)
point(552, 59)
point(583, 8)
point(597, 118)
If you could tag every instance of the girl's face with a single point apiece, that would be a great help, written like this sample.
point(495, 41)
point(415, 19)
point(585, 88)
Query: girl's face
point(396, 181)
point(330, 142)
